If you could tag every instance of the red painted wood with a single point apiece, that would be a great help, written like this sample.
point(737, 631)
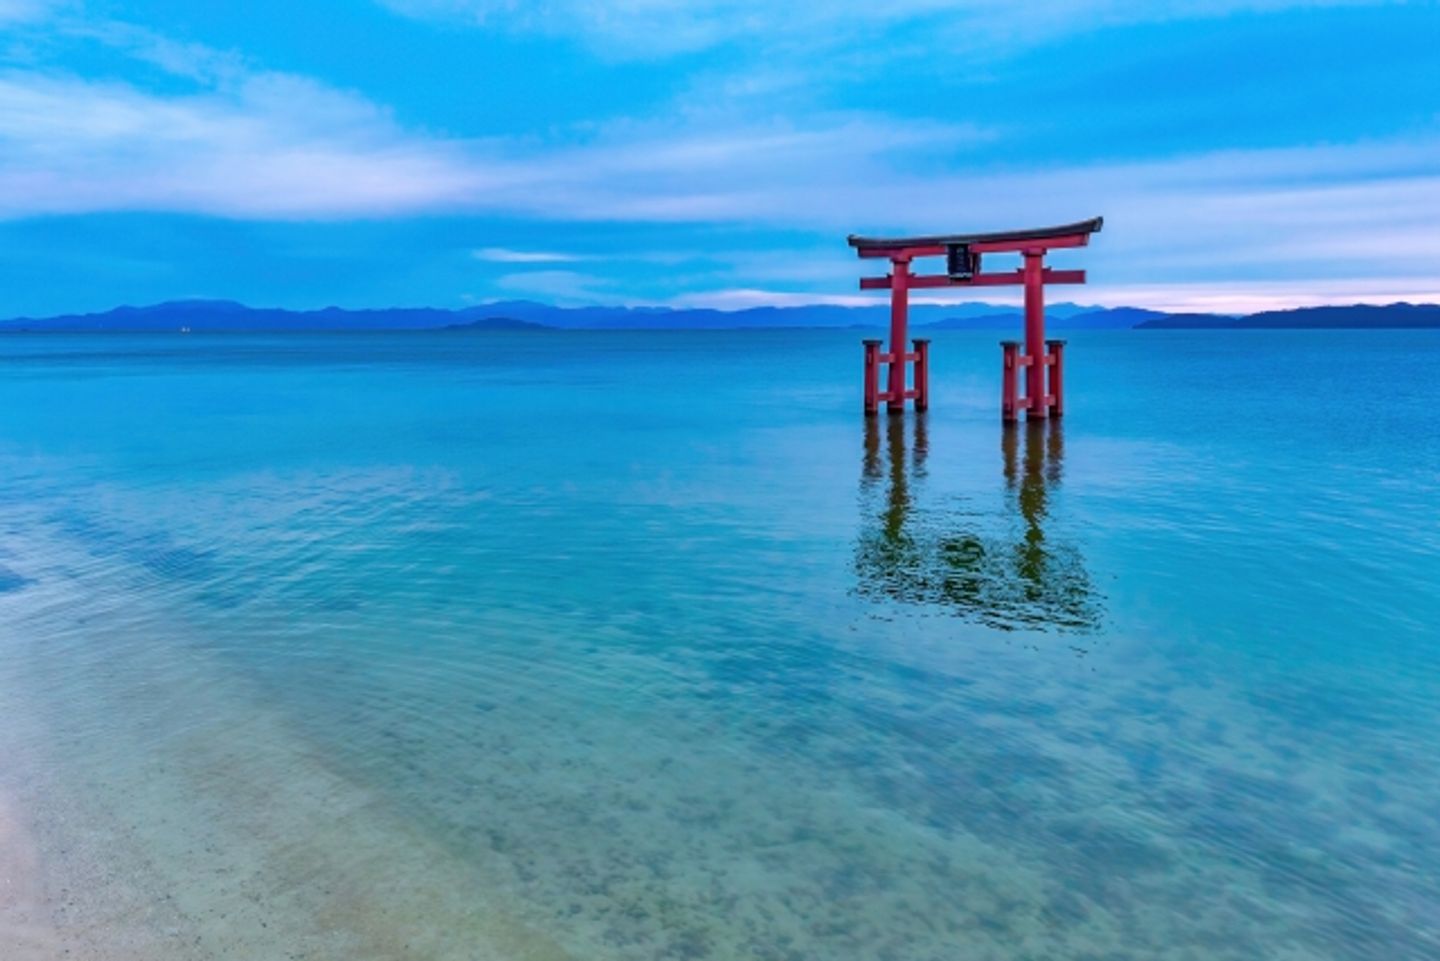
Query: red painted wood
point(1006, 279)
point(890, 252)
point(1035, 332)
point(872, 376)
point(899, 310)
point(922, 374)
point(1008, 380)
point(1042, 361)
point(1057, 374)
point(986, 247)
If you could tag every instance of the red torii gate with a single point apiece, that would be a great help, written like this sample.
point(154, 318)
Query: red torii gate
point(962, 253)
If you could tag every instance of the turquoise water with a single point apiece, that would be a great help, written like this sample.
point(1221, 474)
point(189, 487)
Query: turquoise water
point(635, 645)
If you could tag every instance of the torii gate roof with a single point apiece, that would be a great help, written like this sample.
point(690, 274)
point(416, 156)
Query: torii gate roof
point(1079, 229)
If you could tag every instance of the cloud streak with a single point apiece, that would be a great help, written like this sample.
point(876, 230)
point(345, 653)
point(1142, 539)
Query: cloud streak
point(662, 28)
point(271, 145)
point(23, 11)
point(279, 147)
point(275, 146)
point(504, 255)
point(251, 144)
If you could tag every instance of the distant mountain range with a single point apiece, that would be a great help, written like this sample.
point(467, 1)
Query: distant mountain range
point(1354, 317)
point(222, 315)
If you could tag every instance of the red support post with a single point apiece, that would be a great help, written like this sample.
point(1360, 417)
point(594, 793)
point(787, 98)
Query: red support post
point(899, 308)
point(922, 373)
point(1009, 382)
point(872, 377)
point(1035, 333)
point(1057, 374)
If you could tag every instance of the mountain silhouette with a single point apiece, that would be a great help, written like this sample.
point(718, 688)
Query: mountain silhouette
point(225, 315)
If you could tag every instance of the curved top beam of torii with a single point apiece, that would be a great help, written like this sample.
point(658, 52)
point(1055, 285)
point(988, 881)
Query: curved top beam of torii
point(1065, 235)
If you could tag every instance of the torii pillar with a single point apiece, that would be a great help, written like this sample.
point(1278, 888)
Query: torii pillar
point(1043, 360)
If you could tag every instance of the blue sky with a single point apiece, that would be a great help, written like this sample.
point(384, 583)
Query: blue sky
point(1245, 153)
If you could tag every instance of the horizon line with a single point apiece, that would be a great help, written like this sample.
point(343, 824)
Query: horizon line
point(673, 307)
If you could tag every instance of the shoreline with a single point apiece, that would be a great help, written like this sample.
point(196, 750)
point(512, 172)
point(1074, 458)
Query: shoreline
point(25, 919)
point(197, 864)
point(232, 841)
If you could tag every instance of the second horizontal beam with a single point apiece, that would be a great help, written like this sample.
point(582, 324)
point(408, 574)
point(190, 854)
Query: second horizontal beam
point(1006, 279)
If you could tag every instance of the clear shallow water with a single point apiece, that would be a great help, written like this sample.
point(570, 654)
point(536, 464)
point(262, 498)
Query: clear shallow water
point(645, 645)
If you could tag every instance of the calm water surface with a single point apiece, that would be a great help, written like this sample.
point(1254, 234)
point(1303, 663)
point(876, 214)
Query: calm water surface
point(631, 645)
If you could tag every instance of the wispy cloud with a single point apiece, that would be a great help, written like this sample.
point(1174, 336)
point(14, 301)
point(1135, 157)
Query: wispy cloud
point(239, 141)
point(195, 61)
point(21, 11)
point(272, 146)
point(275, 146)
point(648, 28)
point(742, 298)
point(560, 286)
point(504, 255)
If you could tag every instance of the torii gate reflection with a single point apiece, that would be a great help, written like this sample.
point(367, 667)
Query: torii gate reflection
point(959, 560)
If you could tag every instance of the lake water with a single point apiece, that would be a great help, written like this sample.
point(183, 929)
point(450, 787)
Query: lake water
point(646, 645)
